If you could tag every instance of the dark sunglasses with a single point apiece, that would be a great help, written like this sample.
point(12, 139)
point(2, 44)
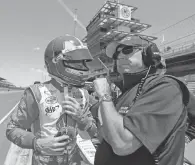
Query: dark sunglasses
point(125, 50)
point(128, 49)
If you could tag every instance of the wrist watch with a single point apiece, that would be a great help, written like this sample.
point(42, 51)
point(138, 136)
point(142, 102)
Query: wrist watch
point(105, 97)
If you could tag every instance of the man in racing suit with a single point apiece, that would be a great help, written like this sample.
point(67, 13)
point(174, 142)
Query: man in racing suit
point(44, 107)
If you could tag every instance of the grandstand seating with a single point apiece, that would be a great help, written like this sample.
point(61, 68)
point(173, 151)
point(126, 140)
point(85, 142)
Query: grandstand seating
point(4, 84)
point(1, 79)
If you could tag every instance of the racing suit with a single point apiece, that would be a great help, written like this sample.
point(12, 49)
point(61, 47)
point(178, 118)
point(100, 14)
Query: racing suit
point(40, 109)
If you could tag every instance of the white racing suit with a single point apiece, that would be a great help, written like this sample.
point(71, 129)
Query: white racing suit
point(40, 109)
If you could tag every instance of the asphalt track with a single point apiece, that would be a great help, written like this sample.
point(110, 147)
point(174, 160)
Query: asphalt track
point(9, 99)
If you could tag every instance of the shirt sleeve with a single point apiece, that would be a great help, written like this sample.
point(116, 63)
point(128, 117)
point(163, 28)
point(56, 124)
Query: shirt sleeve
point(155, 114)
point(21, 119)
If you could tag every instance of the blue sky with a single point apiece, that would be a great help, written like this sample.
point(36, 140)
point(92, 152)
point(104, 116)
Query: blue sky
point(27, 27)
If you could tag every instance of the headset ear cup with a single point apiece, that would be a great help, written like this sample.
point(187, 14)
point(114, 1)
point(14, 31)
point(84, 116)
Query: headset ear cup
point(155, 55)
point(156, 59)
point(151, 56)
point(146, 59)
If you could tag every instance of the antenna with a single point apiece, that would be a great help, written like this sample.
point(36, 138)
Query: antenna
point(75, 22)
point(71, 14)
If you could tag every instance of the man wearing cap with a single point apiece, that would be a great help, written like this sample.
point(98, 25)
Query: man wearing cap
point(147, 124)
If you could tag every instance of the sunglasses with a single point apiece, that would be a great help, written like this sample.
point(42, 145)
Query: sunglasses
point(127, 49)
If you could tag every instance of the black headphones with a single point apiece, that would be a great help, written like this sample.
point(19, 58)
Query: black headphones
point(151, 55)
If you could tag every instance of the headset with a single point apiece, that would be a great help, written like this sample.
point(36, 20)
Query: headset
point(151, 55)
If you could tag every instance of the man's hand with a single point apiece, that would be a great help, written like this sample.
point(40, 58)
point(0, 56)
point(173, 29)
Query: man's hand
point(101, 86)
point(73, 108)
point(52, 145)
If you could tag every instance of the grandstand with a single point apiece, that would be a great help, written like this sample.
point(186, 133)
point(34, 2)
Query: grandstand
point(1, 79)
point(6, 85)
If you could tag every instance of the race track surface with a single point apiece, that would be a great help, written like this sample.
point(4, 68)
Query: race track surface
point(7, 101)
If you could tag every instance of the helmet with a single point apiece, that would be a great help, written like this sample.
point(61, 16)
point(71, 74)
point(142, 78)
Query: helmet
point(65, 60)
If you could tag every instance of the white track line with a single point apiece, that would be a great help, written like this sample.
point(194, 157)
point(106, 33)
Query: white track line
point(6, 116)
